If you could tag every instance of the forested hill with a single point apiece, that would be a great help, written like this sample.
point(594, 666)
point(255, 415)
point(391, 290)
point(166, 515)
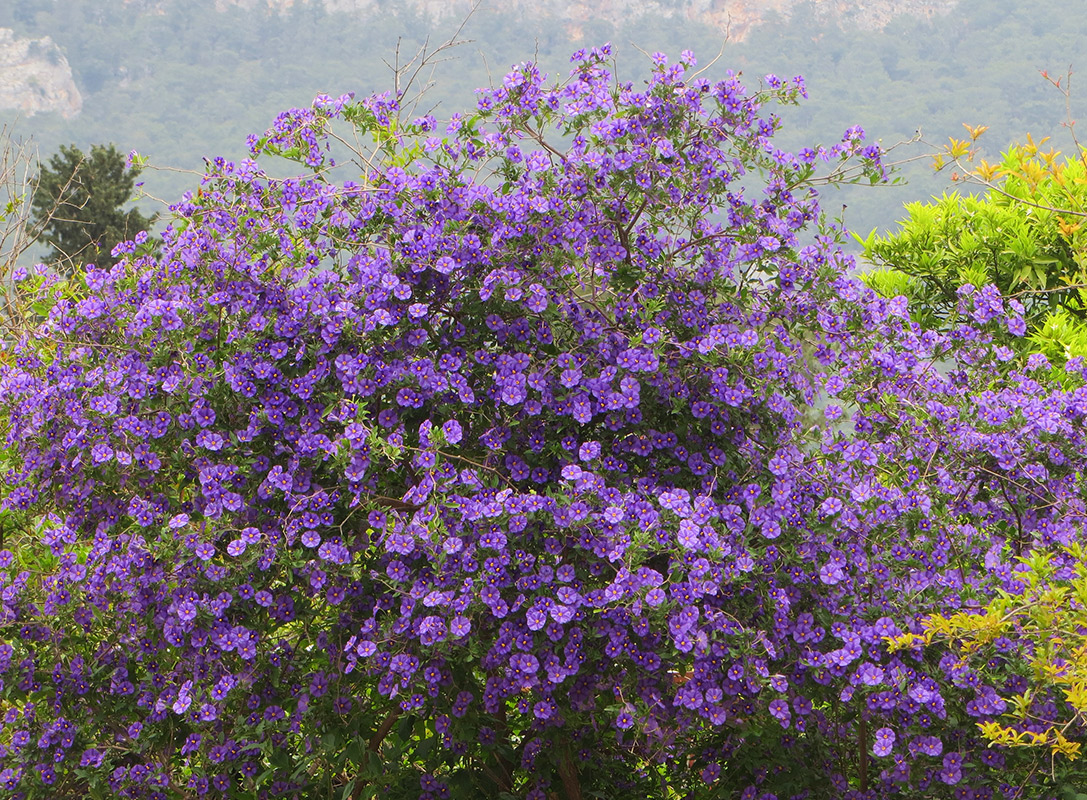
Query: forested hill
point(182, 80)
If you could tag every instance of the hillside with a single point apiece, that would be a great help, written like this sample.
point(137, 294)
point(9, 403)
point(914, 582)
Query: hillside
point(35, 76)
point(179, 81)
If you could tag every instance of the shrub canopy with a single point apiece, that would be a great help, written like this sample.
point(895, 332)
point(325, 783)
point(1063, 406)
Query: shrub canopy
point(498, 471)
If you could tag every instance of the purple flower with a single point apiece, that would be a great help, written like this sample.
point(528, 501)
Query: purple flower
point(779, 710)
point(210, 440)
point(831, 506)
point(101, 453)
point(870, 674)
point(884, 743)
point(950, 775)
point(655, 596)
point(90, 758)
point(831, 574)
point(689, 534)
point(589, 451)
point(460, 626)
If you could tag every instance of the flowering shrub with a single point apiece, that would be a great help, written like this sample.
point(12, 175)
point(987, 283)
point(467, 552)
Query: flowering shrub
point(494, 473)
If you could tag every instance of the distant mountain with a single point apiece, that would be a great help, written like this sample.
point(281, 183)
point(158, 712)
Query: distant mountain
point(35, 76)
point(179, 80)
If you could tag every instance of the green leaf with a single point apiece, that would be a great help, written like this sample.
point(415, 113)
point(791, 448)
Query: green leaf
point(353, 752)
point(865, 242)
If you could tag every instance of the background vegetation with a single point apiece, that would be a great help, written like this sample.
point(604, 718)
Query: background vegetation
point(181, 81)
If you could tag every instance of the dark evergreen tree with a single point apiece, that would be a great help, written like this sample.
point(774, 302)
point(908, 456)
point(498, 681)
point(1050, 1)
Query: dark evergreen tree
point(79, 199)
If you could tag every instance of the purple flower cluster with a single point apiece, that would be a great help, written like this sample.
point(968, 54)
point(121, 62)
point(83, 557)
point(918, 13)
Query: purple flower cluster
point(497, 467)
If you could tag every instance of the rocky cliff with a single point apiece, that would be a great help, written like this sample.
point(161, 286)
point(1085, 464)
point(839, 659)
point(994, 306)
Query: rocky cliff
point(738, 17)
point(35, 77)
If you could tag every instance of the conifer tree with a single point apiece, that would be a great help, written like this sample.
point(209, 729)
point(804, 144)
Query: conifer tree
point(80, 199)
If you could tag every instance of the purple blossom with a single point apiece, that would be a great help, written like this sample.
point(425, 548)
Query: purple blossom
point(453, 431)
point(831, 574)
point(779, 709)
point(101, 453)
point(870, 674)
point(884, 742)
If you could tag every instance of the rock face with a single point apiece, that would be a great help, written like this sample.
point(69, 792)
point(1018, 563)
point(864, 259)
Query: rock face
point(738, 17)
point(35, 77)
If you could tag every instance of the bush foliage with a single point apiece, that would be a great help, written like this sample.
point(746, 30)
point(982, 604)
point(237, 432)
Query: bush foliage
point(1025, 235)
point(494, 472)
